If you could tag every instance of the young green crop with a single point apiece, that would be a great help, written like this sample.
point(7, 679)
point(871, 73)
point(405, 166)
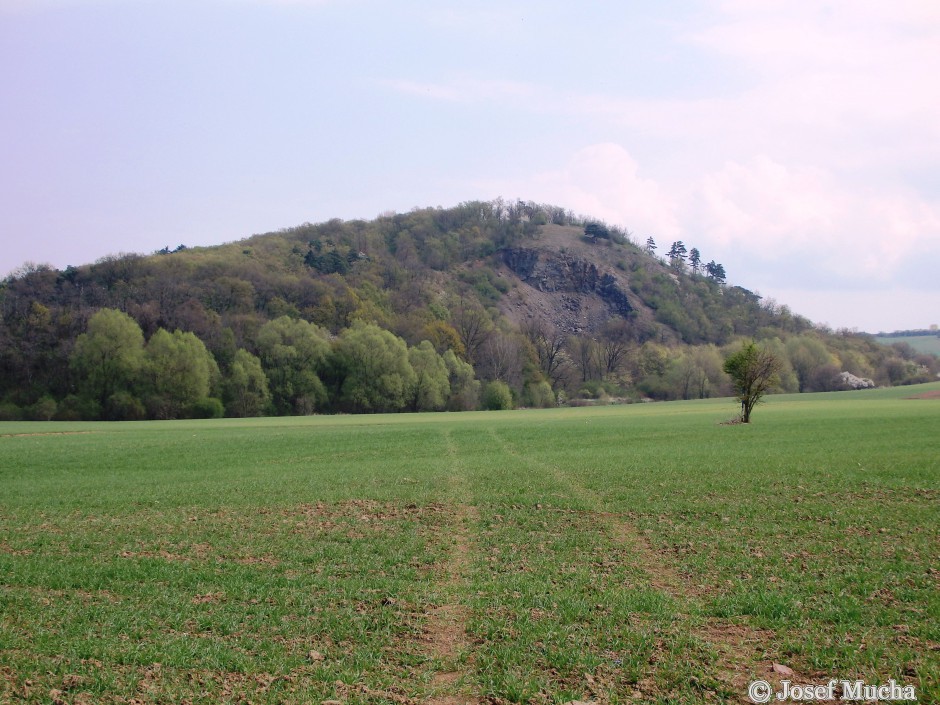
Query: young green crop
point(644, 553)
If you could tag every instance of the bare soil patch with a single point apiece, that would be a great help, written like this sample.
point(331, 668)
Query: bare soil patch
point(47, 433)
point(361, 517)
point(933, 394)
point(661, 575)
point(445, 631)
point(743, 656)
point(743, 652)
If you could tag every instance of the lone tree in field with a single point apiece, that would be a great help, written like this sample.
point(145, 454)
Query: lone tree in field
point(754, 371)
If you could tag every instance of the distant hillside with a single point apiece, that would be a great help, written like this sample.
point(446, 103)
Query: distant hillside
point(927, 342)
point(535, 302)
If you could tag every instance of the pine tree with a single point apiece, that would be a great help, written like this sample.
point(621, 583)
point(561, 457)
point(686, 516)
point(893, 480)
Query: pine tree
point(676, 254)
point(715, 271)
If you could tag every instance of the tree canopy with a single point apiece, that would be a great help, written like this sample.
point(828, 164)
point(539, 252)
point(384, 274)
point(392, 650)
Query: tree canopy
point(754, 371)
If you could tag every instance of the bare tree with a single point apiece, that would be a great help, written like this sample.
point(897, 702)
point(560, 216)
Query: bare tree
point(501, 357)
point(586, 354)
point(549, 345)
point(473, 325)
point(615, 346)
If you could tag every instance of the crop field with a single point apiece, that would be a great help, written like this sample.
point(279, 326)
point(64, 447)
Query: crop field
point(644, 553)
point(929, 344)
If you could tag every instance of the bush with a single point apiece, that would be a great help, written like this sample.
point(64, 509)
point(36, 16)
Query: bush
point(75, 408)
point(539, 395)
point(208, 408)
point(42, 410)
point(497, 396)
point(124, 407)
point(10, 412)
point(588, 390)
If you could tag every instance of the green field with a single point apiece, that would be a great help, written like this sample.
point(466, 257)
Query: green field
point(929, 344)
point(642, 553)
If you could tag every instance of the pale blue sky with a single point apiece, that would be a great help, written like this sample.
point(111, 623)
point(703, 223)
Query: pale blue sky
point(797, 143)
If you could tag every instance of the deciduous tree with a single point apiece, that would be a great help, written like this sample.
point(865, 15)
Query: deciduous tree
point(246, 387)
point(293, 354)
point(431, 387)
point(753, 371)
point(179, 372)
point(464, 387)
point(108, 357)
point(377, 375)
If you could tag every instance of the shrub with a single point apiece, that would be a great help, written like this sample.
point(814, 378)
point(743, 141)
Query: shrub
point(208, 408)
point(497, 396)
point(42, 410)
point(75, 408)
point(10, 412)
point(124, 407)
point(539, 395)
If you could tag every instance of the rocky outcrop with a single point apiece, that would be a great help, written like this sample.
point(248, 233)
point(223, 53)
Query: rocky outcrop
point(613, 295)
point(521, 261)
point(557, 273)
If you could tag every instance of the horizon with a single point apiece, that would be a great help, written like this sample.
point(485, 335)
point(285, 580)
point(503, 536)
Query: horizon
point(797, 145)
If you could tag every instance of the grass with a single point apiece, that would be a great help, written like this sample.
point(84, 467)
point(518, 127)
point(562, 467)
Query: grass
point(928, 344)
point(621, 554)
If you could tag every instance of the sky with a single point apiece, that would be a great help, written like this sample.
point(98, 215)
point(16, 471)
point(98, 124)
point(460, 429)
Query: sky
point(796, 142)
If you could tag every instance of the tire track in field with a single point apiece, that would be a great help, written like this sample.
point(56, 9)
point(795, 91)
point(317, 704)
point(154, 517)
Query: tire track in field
point(445, 631)
point(740, 650)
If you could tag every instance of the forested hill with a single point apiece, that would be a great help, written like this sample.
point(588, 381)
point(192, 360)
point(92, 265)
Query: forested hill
point(520, 304)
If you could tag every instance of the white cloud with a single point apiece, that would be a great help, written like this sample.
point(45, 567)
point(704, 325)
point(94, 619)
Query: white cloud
point(603, 181)
point(847, 72)
point(847, 234)
point(777, 222)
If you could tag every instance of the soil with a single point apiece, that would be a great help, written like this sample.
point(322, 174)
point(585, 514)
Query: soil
point(934, 394)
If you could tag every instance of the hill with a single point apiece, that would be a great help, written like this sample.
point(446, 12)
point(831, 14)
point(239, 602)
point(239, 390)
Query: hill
point(529, 299)
point(923, 342)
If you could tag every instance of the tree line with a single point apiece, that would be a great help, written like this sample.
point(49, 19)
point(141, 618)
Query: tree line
point(270, 324)
point(296, 368)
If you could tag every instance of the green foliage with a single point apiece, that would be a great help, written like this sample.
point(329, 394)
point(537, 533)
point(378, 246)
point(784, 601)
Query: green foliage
point(754, 371)
point(496, 396)
point(331, 262)
point(488, 285)
point(180, 372)
point(431, 388)
point(42, 410)
point(245, 389)
point(208, 408)
point(431, 274)
point(539, 395)
point(812, 363)
point(124, 406)
point(77, 408)
point(595, 230)
point(109, 356)
point(10, 412)
point(376, 374)
point(464, 387)
point(294, 355)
